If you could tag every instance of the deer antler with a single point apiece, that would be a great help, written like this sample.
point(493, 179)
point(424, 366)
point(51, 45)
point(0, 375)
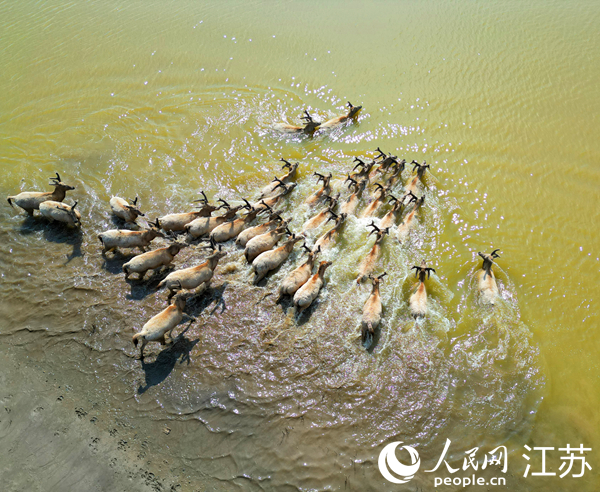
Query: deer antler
point(225, 204)
point(308, 117)
point(360, 163)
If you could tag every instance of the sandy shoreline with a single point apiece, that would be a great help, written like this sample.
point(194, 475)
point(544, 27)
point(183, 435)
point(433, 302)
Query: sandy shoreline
point(51, 443)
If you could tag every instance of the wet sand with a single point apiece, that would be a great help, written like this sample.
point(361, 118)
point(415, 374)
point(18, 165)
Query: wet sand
point(52, 443)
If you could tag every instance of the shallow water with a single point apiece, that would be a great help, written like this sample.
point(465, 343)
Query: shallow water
point(163, 100)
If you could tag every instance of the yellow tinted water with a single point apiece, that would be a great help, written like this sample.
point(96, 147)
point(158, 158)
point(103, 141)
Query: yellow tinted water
point(164, 99)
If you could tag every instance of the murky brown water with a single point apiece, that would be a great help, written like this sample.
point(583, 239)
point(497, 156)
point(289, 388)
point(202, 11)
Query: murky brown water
point(162, 101)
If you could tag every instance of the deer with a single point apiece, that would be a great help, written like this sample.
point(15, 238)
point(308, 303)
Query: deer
point(318, 219)
point(206, 208)
point(486, 280)
point(393, 215)
point(61, 212)
point(306, 294)
point(269, 203)
point(161, 326)
point(265, 242)
point(322, 192)
point(177, 222)
point(292, 170)
point(366, 169)
point(123, 238)
point(309, 128)
point(375, 204)
point(388, 161)
point(270, 260)
point(367, 265)
point(418, 300)
point(196, 277)
point(205, 225)
point(299, 276)
point(407, 224)
point(396, 174)
point(274, 220)
point(268, 190)
point(30, 200)
point(349, 206)
point(371, 316)
point(326, 239)
point(230, 230)
point(411, 184)
point(125, 211)
point(338, 120)
point(152, 260)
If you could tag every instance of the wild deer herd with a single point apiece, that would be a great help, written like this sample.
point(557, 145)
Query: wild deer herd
point(261, 228)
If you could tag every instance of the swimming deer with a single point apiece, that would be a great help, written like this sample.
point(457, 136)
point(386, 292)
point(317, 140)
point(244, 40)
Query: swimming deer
point(309, 128)
point(407, 223)
point(291, 174)
point(206, 208)
point(122, 238)
point(352, 113)
point(230, 230)
point(306, 294)
point(270, 260)
point(205, 225)
point(322, 192)
point(418, 300)
point(367, 266)
point(197, 277)
point(61, 212)
point(269, 203)
point(122, 209)
point(411, 184)
point(30, 200)
point(371, 312)
point(299, 276)
point(393, 215)
point(365, 169)
point(387, 160)
point(268, 190)
point(396, 174)
point(326, 239)
point(152, 260)
point(349, 206)
point(274, 220)
point(375, 204)
point(318, 219)
point(177, 222)
point(161, 326)
point(265, 242)
point(486, 281)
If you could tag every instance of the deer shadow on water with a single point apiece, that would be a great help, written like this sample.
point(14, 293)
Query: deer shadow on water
point(197, 303)
point(142, 288)
point(285, 302)
point(119, 223)
point(55, 232)
point(114, 263)
point(375, 340)
point(160, 369)
point(305, 316)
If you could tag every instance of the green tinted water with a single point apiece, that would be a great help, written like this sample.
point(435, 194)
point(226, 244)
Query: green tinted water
point(162, 100)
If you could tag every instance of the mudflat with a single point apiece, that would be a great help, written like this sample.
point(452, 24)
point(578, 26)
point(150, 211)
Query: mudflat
point(50, 443)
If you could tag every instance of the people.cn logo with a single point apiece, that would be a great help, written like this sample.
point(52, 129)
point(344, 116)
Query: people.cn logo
point(387, 459)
